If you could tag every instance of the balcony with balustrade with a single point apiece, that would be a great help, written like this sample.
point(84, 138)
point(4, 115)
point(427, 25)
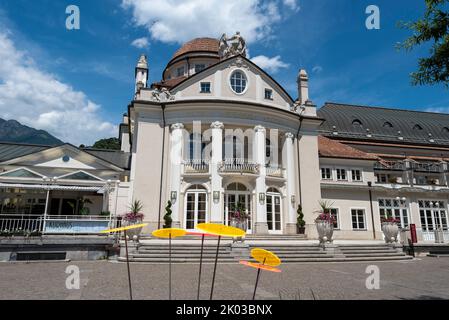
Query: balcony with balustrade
point(238, 165)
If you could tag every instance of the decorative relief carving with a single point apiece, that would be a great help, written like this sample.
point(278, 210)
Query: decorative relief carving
point(162, 95)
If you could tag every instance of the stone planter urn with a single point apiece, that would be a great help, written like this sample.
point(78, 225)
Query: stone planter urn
point(325, 231)
point(241, 224)
point(133, 234)
point(391, 231)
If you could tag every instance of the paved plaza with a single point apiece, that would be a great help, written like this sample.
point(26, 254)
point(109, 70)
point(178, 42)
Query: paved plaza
point(422, 278)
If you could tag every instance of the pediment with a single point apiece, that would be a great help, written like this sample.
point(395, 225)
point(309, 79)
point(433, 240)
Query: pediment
point(221, 80)
point(63, 157)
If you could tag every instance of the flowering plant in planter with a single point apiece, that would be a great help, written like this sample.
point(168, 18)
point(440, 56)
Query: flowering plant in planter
point(134, 214)
point(325, 222)
point(390, 228)
point(239, 212)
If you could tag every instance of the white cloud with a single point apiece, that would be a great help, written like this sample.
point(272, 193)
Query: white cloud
point(292, 5)
point(141, 43)
point(182, 20)
point(270, 64)
point(38, 99)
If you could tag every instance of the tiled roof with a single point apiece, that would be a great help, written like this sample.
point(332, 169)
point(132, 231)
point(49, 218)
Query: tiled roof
point(384, 124)
point(10, 151)
point(168, 83)
point(329, 148)
point(198, 44)
point(116, 157)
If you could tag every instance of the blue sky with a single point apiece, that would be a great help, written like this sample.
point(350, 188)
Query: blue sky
point(77, 84)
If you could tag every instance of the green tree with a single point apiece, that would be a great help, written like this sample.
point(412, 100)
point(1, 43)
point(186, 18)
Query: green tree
point(433, 28)
point(110, 144)
point(167, 217)
point(300, 220)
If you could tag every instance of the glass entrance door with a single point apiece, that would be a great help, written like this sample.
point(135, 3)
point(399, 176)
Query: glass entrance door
point(196, 208)
point(231, 200)
point(433, 216)
point(274, 212)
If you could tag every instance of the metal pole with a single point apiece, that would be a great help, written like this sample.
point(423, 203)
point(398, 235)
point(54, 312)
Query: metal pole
point(46, 210)
point(215, 269)
point(169, 266)
point(201, 264)
point(371, 206)
point(257, 280)
point(127, 263)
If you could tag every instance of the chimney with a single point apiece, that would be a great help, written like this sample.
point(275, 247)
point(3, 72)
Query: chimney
point(303, 86)
point(141, 73)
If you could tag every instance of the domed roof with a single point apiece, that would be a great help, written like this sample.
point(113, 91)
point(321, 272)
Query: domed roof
point(198, 44)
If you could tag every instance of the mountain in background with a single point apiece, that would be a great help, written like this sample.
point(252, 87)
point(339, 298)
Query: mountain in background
point(13, 131)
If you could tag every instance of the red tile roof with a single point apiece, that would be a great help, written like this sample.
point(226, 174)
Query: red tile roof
point(168, 83)
point(198, 44)
point(329, 148)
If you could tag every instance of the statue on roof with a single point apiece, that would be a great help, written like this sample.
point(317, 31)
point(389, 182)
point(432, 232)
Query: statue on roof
point(229, 47)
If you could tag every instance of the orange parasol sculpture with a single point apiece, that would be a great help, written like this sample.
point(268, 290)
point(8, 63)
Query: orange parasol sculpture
point(267, 261)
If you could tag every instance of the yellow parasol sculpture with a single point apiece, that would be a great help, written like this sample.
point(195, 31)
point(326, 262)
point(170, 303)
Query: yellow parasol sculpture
point(267, 261)
point(219, 230)
point(134, 226)
point(169, 233)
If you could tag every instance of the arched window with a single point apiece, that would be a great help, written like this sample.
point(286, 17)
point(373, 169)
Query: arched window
point(236, 187)
point(387, 124)
point(267, 148)
point(272, 190)
point(417, 127)
point(356, 123)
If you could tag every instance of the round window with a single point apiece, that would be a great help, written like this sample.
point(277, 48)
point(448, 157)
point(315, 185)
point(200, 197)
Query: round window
point(66, 158)
point(238, 82)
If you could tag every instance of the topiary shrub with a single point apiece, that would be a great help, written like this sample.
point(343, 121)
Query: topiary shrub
point(167, 217)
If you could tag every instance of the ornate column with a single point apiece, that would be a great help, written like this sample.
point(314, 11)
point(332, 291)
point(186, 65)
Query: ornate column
point(175, 171)
point(290, 175)
point(261, 226)
point(216, 209)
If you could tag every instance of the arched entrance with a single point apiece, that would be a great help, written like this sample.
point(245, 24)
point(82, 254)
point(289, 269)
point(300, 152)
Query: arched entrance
point(196, 206)
point(237, 193)
point(274, 212)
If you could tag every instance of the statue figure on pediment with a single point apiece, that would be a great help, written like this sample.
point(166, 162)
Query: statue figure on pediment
point(233, 46)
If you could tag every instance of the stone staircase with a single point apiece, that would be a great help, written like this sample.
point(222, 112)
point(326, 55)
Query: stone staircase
point(189, 252)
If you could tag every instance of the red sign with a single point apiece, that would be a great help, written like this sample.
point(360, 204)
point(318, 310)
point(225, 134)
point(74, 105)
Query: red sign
point(413, 233)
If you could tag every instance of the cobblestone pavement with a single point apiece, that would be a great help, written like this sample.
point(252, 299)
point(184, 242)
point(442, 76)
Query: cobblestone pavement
point(423, 278)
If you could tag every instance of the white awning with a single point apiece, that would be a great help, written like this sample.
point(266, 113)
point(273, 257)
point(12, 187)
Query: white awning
point(98, 189)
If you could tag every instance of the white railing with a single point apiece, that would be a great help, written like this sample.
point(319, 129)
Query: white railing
point(196, 166)
point(15, 224)
point(10, 223)
point(238, 165)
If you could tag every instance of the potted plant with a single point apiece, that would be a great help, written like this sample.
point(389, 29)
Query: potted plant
point(167, 217)
point(300, 223)
point(393, 180)
point(390, 228)
point(134, 216)
point(239, 218)
point(325, 222)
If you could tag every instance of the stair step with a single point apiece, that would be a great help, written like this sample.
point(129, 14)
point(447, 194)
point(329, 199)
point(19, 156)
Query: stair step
point(143, 255)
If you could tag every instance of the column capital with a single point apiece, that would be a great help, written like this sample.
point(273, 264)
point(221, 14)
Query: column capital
point(259, 128)
point(289, 135)
point(176, 126)
point(217, 125)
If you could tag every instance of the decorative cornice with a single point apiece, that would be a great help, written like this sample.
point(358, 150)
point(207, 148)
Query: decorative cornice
point(217, 125)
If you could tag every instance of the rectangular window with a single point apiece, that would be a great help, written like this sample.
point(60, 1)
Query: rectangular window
point(341, 174)
point(394, 208)
point(382, 178)
point(180, 71)
point(356, 175)
point(358, 219)
point(326, 173)
point(334, 213)
point(205, 87)
point(268, 94)
point(199, 67)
